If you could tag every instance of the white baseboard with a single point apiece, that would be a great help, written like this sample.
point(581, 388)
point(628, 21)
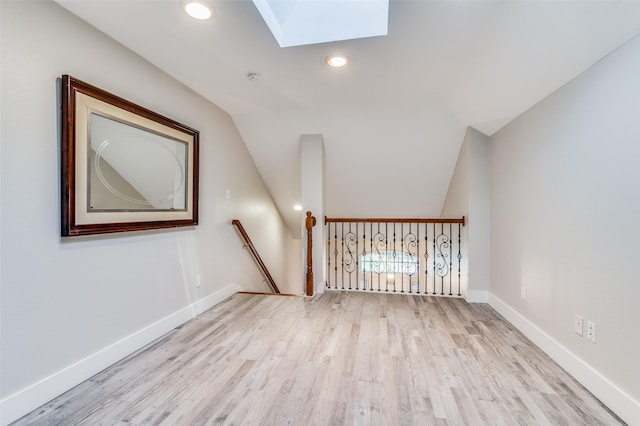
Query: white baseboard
point(475, 296)
point(621, 403)
point(23, 402)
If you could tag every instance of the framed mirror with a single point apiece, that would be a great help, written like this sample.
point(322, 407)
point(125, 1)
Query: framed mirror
point(123, 167)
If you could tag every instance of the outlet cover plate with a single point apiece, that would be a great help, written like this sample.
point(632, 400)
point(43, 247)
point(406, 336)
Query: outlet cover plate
point(591, 331)
point(578, 325)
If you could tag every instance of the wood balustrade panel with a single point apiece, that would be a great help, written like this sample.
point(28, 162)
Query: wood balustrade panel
point(340, 358)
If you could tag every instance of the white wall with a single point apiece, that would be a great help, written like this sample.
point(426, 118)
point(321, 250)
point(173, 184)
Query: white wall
point(312, 168)
point(565, 203)
point(479, 211)
point(456, 203)
point(468, 196)
point(70, 306)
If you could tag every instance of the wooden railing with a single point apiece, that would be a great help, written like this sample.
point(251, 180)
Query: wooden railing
point(416, 256)
point(256, 256)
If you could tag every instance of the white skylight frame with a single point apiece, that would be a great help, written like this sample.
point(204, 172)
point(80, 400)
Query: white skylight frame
point(301, 22)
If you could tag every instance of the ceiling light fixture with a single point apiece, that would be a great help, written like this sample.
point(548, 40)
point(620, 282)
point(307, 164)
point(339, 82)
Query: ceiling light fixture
point(198, 9)
point(297, 208)
point(336, 61)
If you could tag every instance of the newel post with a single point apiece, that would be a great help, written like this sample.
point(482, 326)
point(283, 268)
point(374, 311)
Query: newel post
point(309, 224)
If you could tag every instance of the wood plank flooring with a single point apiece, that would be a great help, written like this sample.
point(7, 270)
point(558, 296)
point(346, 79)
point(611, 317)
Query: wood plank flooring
point(342, 358)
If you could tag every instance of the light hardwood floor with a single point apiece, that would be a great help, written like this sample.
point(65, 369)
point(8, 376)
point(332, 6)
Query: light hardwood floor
point(342, 358)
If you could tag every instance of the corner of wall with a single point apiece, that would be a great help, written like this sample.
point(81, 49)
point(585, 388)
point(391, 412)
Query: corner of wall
point(468, 195)
point(475, 296)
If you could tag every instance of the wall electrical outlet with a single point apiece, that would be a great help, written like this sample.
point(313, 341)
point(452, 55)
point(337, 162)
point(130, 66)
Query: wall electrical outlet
point(578, 325)
point(523, 293)
point(198, 281)
point(591, 331)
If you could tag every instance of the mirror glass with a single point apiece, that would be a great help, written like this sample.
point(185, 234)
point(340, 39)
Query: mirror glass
point(131, 168)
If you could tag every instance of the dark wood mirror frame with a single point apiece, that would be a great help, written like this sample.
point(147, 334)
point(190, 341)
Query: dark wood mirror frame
point(142, 129)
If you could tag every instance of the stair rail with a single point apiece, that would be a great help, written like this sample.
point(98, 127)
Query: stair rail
point(256, 256)
point(309, 224)
point(417, 256)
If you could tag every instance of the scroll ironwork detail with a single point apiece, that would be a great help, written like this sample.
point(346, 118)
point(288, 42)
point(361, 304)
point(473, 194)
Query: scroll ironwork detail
point(414, 256)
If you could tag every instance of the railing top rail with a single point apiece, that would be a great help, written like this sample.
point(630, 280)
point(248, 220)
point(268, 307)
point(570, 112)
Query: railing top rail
point(396, 220)
point(256, 256)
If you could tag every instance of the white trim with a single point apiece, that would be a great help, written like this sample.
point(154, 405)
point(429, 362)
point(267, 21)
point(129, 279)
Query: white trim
point(476, 296)
point(26, 400)
point(621, 403)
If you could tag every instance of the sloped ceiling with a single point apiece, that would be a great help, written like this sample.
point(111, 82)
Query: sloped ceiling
point(393, 119)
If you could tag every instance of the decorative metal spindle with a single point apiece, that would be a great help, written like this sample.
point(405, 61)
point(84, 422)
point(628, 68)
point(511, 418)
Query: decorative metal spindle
point(386, 251)
point(330, 269)
point(352, 252)
point(328, 284)
point(395, 258)
point(418, 255)
point(434, 258)
point(450, 260)
point(371, 251)
point(372, 263)
point(335, 257)
point(378, 252)
point(410, 262)
point(350, 259)
point(342, 255)
point(402, 257)
point(364, 253)
point(442, 276)
point(328, 255)
point(406, 239)
point(459, 258)
point(355, 253)
point(426, 258)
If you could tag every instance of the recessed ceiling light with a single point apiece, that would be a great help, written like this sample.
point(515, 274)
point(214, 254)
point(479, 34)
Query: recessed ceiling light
point(198, 9)
point(297, 208)
point(336, 61)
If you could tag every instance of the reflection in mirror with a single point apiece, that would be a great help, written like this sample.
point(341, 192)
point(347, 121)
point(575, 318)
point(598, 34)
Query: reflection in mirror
point(134, 169)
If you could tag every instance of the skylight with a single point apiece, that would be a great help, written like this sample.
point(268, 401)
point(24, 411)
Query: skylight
point(300, 22)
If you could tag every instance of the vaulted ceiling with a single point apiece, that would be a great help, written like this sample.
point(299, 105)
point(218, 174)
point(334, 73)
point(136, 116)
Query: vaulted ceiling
point(393, 119)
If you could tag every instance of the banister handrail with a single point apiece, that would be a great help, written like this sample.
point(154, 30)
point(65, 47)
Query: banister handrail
point(310, 222)
point(396, 220)
point(256, 256)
